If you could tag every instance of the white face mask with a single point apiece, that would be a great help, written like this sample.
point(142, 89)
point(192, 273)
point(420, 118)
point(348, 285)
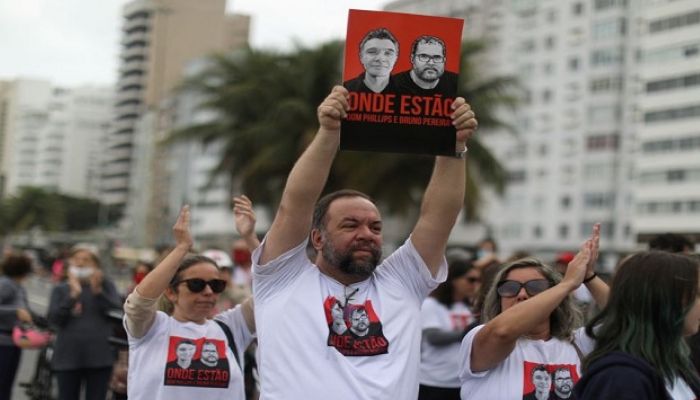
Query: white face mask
point(80, 272)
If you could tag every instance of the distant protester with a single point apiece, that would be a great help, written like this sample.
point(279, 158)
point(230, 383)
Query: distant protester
point(83, 357)
point(14, 308)
point(447, 315)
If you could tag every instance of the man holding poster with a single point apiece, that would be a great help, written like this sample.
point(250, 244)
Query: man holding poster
point(408, 112)
point(346, 325)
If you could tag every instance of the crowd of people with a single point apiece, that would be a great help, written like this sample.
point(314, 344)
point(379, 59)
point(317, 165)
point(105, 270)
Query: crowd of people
point(330, 317)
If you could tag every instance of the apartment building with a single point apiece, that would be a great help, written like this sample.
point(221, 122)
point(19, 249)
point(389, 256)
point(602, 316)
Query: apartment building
point(606, 129)
point(159, 37)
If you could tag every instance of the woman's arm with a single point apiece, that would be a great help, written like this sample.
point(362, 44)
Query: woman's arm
point(497, 339)
point(140, 306)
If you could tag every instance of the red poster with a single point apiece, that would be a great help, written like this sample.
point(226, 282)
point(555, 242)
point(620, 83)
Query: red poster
point(401, 71)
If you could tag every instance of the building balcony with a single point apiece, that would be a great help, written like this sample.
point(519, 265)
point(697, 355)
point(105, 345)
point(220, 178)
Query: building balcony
point(132, 66)
point(128, 109)
point(140, 21)
point(135, 51)
point(130, 81)
point(128, 96)
point(115, 170)
point(133, 38)
point(118, 154)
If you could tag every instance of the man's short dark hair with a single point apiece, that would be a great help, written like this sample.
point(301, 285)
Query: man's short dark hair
point(428, 39)
point(379, 33)
point(319, 218)
point(185, 341)
point(560, 369)
point(539, 367)
point(16, 266)
point(671, 242)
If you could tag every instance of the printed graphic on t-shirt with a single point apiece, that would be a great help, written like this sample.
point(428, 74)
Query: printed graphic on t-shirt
point(197, 363)
point(460, 320)
point(354, 329)
point(548, 381)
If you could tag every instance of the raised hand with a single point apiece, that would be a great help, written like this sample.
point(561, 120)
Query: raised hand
point(464, 120)
point(578, 267)
point(181, 230)
point(333, 109)
point(244, 215)
point(595, 243)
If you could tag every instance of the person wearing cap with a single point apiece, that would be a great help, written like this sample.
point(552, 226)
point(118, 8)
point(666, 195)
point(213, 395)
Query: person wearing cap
point(529, 319)
point(227, 298)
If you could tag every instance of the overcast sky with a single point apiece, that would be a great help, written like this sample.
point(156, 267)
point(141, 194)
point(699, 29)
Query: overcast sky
point(75, 42)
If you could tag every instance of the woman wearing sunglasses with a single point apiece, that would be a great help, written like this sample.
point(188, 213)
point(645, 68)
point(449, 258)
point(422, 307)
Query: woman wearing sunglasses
point(529, 323)
point(640, 352)
point(446, 314)
point(193, 285)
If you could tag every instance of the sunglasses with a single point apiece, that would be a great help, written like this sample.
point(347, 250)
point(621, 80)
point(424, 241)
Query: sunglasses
point(512, 288)
point(196, 285)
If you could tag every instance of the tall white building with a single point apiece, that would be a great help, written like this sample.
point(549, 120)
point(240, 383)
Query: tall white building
point(668, 169)
point(606, 128)
point(53, 137)
point(159, 37)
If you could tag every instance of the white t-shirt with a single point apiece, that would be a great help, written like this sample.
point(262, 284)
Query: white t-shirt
point(514, 377)
point(320, 339)
point(154, 372)
point(681, 390)
point(439, 365)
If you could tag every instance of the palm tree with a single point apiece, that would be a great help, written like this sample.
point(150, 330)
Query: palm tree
point(266, 101)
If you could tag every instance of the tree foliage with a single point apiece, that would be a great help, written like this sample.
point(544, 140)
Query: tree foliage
point(35, 207)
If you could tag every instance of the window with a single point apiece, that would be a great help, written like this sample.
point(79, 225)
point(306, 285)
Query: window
point(673, 83)
point(610, 56)
point(573, 63)
point(598, 201)
point(537, 232)
point(608, 29)
point(675, 22)
point(605, 113)
point(673, 53)
point(672, 114)
point(549, 42)
point(607, 84)
point(516, 176)
point(687, 143)
point(565, 202)
point(577, 8)
point(603, 142)
point(605, 4)
point(563, 231)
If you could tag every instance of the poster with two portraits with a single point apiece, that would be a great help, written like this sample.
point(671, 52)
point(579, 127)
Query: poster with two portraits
point(401, 71)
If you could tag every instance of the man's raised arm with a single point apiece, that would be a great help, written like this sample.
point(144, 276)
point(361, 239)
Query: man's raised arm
point(444, 195)
point(305, 183)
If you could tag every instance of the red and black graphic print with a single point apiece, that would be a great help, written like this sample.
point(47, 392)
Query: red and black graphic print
point(197, 363)
point(354, 329)
point(548, 381)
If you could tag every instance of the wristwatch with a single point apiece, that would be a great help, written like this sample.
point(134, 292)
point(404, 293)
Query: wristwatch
point(461, 154)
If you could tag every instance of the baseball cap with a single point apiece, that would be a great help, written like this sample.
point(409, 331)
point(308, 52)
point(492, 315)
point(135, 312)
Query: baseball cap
point(222, 259)
point(565, 257)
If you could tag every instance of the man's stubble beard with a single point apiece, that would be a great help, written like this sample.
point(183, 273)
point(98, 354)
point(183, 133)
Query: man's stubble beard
point(347, 263)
